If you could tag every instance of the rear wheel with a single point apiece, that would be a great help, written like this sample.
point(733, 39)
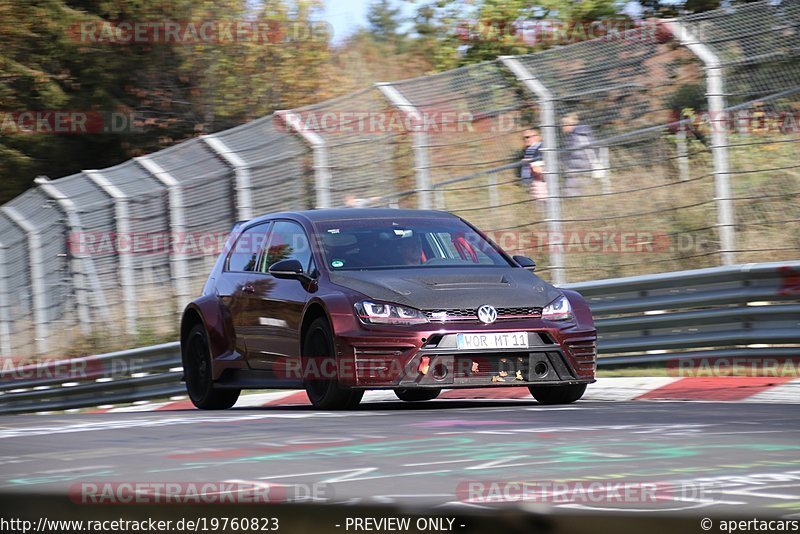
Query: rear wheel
point(558, 394)
point(197, 371)
point(416, 394)
point(323, 392)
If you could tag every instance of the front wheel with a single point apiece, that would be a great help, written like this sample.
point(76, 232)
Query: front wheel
point(558, 394)
point(416, 394)
point(197, 371)
point(325, 393)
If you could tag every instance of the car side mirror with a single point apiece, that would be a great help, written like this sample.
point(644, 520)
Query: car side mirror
point(526, 263)
point(288, 269)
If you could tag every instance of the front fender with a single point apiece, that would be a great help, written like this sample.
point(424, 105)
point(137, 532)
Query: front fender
point(583, 315)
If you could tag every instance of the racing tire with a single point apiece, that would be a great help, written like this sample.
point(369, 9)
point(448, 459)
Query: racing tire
point(416, 394)
point(197, 371)
point(326, 394)
point(558, 394)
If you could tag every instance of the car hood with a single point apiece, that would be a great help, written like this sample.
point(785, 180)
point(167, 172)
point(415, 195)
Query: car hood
point(452, 288)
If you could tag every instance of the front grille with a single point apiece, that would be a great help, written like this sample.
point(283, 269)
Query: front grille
point(471, 314)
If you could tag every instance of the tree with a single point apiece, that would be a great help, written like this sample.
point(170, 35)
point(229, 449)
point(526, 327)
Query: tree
point(482, 30)
point(432, 41)
point(699, 6)
point(384, 20)
point(51, 61)
point(173, 90)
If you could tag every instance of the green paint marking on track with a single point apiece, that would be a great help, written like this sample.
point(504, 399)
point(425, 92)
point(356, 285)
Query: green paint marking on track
point(794, 505)
point(57, 478)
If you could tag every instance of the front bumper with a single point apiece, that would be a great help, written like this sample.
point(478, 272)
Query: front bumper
point(409, 357)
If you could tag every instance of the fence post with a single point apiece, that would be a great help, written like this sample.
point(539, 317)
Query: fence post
point(241, 170)
point(38, 288)
point(421, 160)
point(683, 152)
point(549, 128)
point(123, 229)
point(5, 308)
point(719, 137)
point(322, 170)
point(77, 257)
point(177, 223)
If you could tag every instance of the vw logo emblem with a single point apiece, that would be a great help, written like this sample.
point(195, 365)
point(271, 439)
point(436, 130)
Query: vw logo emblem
point(487, 314)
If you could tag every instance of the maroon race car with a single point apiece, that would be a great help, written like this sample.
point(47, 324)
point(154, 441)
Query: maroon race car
point(341, 301)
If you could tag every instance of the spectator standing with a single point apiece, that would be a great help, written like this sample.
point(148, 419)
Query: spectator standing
point(579, 155)
point(532, 170)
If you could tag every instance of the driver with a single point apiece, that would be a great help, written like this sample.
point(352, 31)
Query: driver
point(410, 250)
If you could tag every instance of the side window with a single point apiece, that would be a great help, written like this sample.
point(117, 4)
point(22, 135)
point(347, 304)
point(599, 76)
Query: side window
point(287, 241)
point(465, 247)
point(244, 256)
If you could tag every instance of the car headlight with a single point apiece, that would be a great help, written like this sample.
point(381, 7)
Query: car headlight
point(558, 310)
point(381, 313)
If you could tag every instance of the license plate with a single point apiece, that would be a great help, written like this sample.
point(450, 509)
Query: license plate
point(499, 340)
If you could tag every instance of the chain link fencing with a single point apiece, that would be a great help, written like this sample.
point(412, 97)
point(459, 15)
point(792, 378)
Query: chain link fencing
point(671, 146)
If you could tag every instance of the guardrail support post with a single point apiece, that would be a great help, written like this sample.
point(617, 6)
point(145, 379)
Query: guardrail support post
point(322, 170)
point(177, 223)
point(37, 278)
point(719, 137)
point(244, 188)
point(5, 308)
point(421, 160)
point(123, 228)
point(549, 127)
point(78, 258)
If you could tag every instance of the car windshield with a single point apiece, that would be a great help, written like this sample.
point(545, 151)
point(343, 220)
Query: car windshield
point(366, 244)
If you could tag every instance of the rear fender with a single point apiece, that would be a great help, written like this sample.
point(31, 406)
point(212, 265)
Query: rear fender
point(217, 321)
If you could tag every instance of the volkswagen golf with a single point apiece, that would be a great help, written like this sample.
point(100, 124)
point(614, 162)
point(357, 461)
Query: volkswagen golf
point(340, 301)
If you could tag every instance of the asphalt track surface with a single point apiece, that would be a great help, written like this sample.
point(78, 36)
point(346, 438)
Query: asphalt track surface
point(703, 457)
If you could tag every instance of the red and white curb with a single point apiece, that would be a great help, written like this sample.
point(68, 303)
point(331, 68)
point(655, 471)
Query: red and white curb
point(730, 389)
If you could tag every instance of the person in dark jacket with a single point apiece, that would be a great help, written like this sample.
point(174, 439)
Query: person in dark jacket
point(533, 154)
point(579, 155)
point(532, 169)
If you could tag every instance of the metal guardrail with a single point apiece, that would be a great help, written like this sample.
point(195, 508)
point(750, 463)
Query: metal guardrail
point(750, 311)
point(122, 377)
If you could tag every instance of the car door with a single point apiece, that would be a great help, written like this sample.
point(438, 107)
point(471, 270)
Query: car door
point(280, 302)
point(239, 279)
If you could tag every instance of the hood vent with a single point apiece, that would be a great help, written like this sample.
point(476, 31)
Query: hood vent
point(466, 282)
